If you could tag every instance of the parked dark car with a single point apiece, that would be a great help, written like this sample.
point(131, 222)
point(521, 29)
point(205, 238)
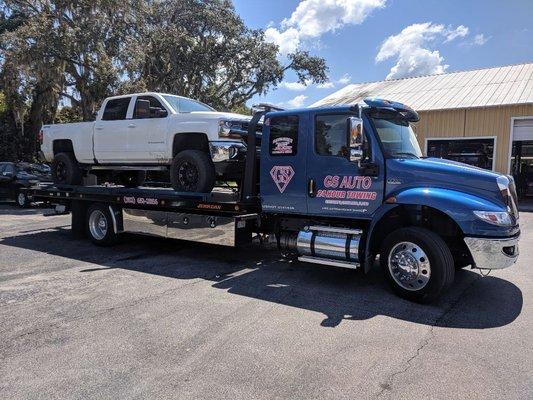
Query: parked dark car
point(14, 176)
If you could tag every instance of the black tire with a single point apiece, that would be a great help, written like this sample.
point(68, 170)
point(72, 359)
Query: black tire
point(65, 170)
point(438, 266)
point(21, 199)
point(131, 179)
point(192, 171)
point(100, 233)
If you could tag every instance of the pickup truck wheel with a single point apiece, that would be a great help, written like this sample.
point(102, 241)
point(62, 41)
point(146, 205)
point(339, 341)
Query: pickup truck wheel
point(192, 171)
point(100, 226)
point(65, 170)
point(418, 264)
point(132, 179)
point(22, 200)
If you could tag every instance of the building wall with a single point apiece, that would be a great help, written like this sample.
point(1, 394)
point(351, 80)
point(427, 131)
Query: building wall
point(474, 122)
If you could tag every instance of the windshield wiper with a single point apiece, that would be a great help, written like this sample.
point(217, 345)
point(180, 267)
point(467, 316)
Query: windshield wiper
point(404, 154)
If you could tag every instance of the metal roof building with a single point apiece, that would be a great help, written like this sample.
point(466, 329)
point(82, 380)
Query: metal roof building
point(482, 117)
point(467, 89)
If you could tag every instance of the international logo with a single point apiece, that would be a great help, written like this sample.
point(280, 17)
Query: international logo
point(282, 175)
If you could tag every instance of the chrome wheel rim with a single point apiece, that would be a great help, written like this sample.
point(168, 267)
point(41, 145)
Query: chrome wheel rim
point(21, 199)
point(409, 266)
point(98, 224)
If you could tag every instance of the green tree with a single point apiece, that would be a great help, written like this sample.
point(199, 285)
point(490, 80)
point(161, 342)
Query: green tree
point(203, 50)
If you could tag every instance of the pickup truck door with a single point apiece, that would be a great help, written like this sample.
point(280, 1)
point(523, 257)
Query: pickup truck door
point(111, 141)
point(148, 133)
point(336, 186)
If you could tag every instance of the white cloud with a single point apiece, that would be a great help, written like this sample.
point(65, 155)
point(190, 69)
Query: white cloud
point(295, 86)
point(411, 49)
point(480, 39)
point(326, 85)
point(345, 79)
point(298, 101)
point(312, 18)
point(460, 31)
point(287, 41)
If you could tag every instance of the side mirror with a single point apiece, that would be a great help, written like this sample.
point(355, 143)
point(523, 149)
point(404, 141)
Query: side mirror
point(356, 139)
point(157, 112)
point(142, 109)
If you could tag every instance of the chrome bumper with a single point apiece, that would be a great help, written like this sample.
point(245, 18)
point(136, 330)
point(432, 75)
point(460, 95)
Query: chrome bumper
point(493, 253)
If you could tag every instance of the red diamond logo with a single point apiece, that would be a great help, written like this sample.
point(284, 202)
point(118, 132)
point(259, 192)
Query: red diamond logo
point(281, 175)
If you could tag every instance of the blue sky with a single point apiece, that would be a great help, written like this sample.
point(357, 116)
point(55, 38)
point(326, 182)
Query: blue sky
point(368, 40)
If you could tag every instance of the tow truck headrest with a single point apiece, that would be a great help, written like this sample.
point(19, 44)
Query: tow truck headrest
point(408, 113)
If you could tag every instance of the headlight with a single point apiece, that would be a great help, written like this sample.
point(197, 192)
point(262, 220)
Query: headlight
point(224, 128)
point(500, 218)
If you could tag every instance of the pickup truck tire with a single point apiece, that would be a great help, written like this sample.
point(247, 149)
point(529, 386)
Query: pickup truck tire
point(418, 264)
point(100, 228)
point(192, 171)
point(22, 199)
point(132, 179)
point(65, 170)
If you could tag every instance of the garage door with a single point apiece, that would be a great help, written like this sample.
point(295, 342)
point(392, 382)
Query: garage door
point(523, 129)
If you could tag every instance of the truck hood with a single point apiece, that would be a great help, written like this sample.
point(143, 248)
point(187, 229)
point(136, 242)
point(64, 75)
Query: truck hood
point(436, 172)
point(221, 115)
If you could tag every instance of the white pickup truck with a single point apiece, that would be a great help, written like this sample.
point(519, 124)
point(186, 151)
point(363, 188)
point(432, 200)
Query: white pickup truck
point(149, 131)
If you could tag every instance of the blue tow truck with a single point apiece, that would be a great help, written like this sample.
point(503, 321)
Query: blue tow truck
point(339, 186)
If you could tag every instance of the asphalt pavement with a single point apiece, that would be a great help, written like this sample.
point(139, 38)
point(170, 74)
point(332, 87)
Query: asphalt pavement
point(160, 319)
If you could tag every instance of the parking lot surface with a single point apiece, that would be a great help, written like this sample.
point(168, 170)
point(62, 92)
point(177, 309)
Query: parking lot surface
point(153, 318)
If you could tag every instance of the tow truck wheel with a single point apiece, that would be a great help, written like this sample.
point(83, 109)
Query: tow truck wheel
point(418, 264)
point(100, 226)
point(192, 171)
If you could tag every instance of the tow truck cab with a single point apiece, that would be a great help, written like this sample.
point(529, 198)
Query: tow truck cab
point(345, 178)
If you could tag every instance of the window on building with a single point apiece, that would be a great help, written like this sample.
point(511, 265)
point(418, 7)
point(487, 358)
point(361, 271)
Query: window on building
point(331, 135)
point(284, 135)
point(476, 152)
point(116, 109)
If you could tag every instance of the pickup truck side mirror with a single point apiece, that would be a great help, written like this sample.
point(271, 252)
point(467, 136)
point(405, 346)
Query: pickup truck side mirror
point(356, 139)
point(142, 109)
point(157, 112)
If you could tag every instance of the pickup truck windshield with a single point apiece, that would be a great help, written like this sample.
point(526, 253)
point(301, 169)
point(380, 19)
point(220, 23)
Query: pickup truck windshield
point(184, 105)
point(396, 135)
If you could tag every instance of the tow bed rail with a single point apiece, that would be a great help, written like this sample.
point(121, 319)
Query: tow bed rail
point(224, 202)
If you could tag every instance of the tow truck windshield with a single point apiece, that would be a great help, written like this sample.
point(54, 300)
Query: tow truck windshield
point(396, 135)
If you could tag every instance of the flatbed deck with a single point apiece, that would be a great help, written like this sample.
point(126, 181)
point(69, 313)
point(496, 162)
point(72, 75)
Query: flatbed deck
point(223, 201)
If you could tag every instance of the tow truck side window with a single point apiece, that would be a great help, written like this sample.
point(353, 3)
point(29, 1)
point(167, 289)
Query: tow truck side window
point(116, 109)
point(331, 137)
point(283, 139)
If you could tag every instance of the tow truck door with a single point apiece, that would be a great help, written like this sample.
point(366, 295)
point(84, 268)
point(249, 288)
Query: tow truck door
point(283, 157)
point(336, 186)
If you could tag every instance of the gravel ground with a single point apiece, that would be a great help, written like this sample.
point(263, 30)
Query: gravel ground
point(163, 319)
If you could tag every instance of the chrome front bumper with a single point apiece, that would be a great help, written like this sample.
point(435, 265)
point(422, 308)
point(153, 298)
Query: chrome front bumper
point(493, 253)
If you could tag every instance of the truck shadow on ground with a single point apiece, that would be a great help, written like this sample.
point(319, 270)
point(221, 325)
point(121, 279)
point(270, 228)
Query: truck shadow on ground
point(474, 302)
